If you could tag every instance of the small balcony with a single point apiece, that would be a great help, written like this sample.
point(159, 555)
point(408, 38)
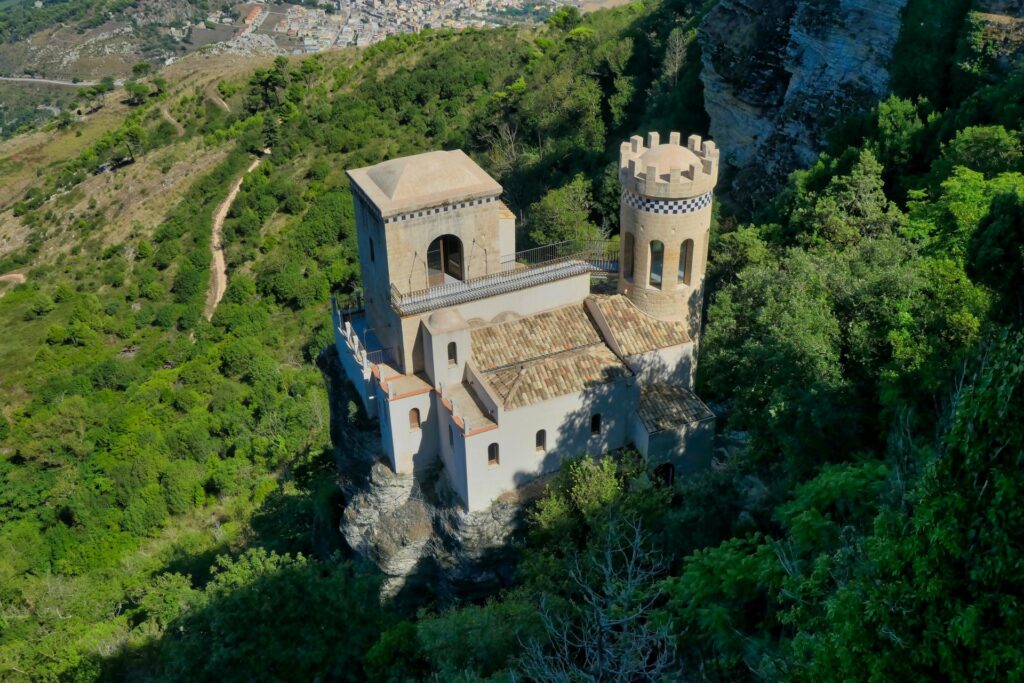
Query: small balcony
point(519, 271)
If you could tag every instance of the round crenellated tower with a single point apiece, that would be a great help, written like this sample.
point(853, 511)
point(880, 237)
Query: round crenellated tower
point(665, 220)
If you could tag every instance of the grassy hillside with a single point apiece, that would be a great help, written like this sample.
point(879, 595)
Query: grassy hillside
point(175, 440)
point(168, 506)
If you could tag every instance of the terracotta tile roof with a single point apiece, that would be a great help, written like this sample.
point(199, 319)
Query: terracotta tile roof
point(667, 406)
point(635, 331)
point(548, 377)
point(523, 339)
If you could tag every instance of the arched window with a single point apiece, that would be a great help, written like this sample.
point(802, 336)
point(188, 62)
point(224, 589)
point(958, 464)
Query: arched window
point(595, 423)
point(451, 436)
point(627, 255)
point(414, 418)
point(542, 441)
point(492, 455)
point(371, 250)
point(453, 354)
point(657, 262)
point(444, 260)
point(685, 263)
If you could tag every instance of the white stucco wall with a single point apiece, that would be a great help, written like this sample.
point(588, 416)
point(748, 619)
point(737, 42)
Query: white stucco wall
point(435, 354)
point(359, 376)
point(524, 302)
point(689, 447)
point(414, 449)
point(567, 422)
point(672, 365)
point(453, 453)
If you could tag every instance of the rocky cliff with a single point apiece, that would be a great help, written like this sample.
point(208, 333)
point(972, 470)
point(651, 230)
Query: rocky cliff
point(413, 529)
point(778, 74)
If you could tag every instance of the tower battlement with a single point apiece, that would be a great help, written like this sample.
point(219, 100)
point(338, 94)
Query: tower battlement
point(668, 170)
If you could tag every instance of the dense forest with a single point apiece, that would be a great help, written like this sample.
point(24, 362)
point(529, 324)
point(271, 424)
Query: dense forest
point(168, 496)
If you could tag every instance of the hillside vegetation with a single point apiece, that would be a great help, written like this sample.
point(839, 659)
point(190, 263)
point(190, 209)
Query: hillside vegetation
point(168, 506)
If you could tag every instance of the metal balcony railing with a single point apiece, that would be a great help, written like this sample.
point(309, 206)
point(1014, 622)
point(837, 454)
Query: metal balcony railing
point(524, 269)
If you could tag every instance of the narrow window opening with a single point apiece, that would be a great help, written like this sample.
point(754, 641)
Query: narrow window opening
point(371, 251)
point(657, 263)
point(627, 255)
point(414, 418)
point(451, 437)
point(685, 262)
point(542, 441)
point(453, 354)
point(492, 455)
point(595, 423)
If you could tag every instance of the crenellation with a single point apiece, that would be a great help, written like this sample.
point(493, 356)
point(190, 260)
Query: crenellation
point(664, 171)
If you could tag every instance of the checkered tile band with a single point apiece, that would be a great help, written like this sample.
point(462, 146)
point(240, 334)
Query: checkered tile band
point(439, 209)
point(670, 206)
point(422, 212)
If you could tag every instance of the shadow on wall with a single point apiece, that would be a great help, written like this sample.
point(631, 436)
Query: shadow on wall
point(354, 434)
point(618, 420)
point(695, 319)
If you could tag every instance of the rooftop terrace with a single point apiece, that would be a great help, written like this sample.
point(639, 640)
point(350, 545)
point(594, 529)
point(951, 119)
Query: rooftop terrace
point(522, 270)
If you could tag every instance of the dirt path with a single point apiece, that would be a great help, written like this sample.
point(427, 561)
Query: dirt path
point(219, 268)
point(180, 129)
point(13, 278)
point(212, 93)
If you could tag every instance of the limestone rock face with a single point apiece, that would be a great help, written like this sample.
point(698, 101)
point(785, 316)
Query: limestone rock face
point(424, 540)
point(413, 527)
point(778, 74)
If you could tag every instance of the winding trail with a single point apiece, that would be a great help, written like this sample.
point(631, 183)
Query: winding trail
point(212, 93)
point(219, 268)
point(179, 129)
point(14, 279)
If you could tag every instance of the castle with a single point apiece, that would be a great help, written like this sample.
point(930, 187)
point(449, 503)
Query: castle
point(501, 364)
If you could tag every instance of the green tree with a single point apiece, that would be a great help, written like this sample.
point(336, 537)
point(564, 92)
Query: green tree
point(266, 616)
point(995, 254)
point(564, 214)
point(137, 92)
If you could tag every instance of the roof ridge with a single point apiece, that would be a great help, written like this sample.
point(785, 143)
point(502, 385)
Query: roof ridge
point(547, 356)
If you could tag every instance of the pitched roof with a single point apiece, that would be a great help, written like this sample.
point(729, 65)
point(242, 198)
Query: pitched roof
point(668, 406)
point(569, 372)
point(635, 331)
point(522, 339)
point(423, 180)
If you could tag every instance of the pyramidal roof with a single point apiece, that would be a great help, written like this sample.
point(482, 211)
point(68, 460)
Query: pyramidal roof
point(422, 181)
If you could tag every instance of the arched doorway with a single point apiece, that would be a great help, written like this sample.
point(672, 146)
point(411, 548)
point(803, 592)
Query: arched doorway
point(444, 260)
point(665, 473)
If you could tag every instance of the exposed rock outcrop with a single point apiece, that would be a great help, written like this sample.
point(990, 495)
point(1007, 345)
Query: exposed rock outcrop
point(778, 74)
point(1001, 24)
point(413, 528)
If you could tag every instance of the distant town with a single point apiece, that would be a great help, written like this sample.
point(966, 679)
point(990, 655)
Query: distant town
point(298, 29)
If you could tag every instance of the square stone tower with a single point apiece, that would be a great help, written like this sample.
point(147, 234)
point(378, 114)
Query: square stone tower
point(424, 222)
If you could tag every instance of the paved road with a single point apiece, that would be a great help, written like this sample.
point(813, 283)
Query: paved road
point(49, 81)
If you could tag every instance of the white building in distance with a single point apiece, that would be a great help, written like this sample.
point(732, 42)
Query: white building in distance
point(501, 364)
